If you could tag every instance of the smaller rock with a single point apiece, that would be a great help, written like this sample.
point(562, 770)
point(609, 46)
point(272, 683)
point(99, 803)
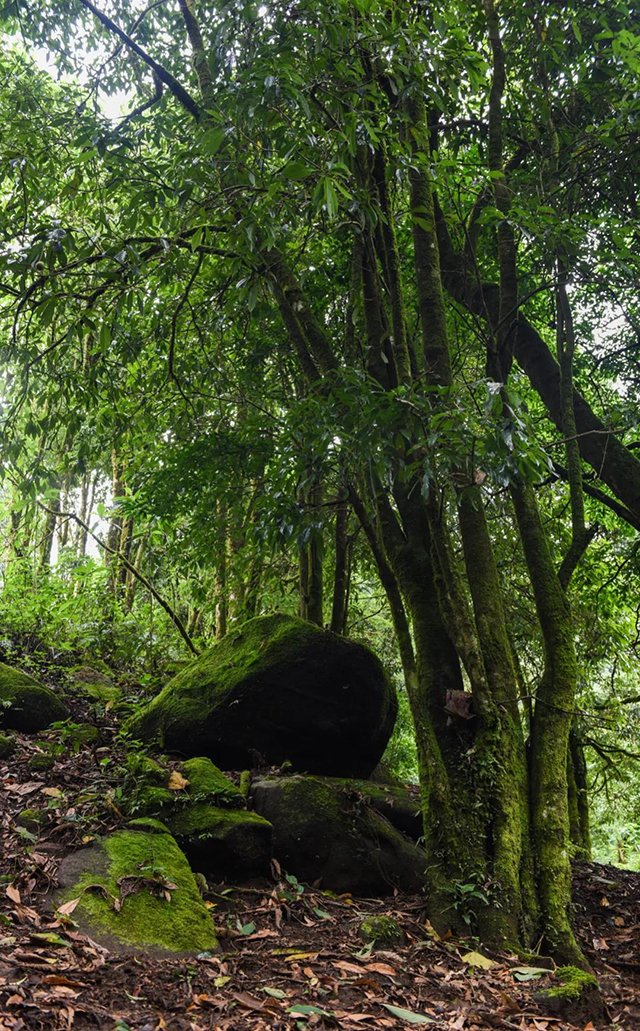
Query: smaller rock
point(137, 892)
point(96, 684)
point(42, 761)
point(82, 734)
point(575, 997)
point(25, 704)
point(30, 819)
point(206, 781)
point(7, 746)
point(228, 842)
point(381, 930)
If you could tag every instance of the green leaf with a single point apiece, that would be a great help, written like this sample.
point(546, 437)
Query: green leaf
point(528, 973)
point(307, 1011)
point(296, 170)
point(275, 993)
point(408, 1015)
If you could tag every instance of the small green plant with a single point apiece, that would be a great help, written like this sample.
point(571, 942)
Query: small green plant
point(466, 895)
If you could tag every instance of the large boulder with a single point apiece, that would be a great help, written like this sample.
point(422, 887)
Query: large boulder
point(277, 690)
point(25, 704)
point(136, 891)
point(325, 832)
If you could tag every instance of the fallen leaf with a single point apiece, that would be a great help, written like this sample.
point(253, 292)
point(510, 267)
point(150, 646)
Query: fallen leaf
point(221, 981)
point(67, 908)
point(476, 959)
point(349, 968)
point(52, 792)
point(381, 968)
point(13, 894)
point(275, 993)
point(528, 973)
point(408, 1015)
point(249, 1002)
point(177, 782)
point(307, 1011)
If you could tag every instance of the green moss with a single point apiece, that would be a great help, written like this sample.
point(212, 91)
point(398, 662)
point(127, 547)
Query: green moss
point(151, 801)
point(208, 821)
point(206, 781)
point(573, 983)
point(141, 767)
point(381, 930)
point(147, 823)
point(30, 819)
point(7, 746)
point(96, 684)
point(82, 734)
point(42, 761)
point(145, 919)
point(217, 671)
point(25, 704)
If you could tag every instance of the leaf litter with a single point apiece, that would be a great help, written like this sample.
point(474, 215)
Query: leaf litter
point(287, 960)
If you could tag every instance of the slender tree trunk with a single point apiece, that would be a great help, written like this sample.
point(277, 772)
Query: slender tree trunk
point(341, 574)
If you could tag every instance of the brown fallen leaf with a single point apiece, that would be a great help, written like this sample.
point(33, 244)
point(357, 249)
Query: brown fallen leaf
point(382, 968)
point(177, 782)
point(52, 792)
point(248, 1001)
point(13, 893)
point(68, 907)
point(349, 968)
point(60, 979)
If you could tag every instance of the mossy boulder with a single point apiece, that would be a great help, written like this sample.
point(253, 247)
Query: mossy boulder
point(573, 996)
point(381, 931)
point(325, 833)
point(82, 734)
point(275, 690)
point(7, 746)
point(25, 704)
point(41, 762)
point(231, 843)
point(137, 892)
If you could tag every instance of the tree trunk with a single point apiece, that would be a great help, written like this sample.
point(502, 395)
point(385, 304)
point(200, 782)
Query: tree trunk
point(341, 574)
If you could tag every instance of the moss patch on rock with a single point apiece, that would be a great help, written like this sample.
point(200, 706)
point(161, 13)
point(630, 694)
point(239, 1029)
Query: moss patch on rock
point(574, 996)
point(280, 689)
point(30, 819)
point(25, 704)
point(232, 842)
point(206, 781)
point(149, 863)
point(42, 761)
point(96, 684)
point(381, 930)
point(7, 746)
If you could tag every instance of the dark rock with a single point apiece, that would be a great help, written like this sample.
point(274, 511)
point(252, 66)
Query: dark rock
point(7, 746)
point(25, 704)
point(381, 931)
point(324, 831)
point(280, 689)
point(574, 996)
point(231, 843)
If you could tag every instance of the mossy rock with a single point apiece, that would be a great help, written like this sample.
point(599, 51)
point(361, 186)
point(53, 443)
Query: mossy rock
point(232, 843)
point(143, 768)
point(25, 704)
point(208, 782)
point(82, 734)
point(95, 683)
point(277, 689)
point(392, 801)
point(145, 861)
point(574, 996)
point(382, 931)
point(41, 762)
point(324, 834)
point(30, 819)
point(7, 746)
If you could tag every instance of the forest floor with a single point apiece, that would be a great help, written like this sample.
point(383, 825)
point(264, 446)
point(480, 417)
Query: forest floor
point(290, 956)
